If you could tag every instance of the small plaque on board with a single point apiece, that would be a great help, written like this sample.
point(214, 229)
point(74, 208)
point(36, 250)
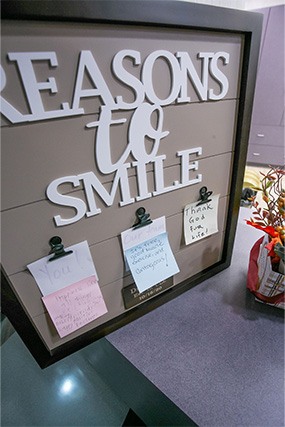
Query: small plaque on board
point(132, 297)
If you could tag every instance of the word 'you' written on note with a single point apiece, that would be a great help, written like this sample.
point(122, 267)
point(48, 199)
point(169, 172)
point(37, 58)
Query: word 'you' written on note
point(55, 275)
point(70, 288)
point(75, 306)
point(201, 220)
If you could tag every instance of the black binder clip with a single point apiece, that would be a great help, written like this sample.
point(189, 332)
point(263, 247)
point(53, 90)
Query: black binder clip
point(143, 218)
point(204, 196)
point(57, 248)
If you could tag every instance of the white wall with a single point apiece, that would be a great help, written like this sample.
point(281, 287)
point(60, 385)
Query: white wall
point(258, 4)
point(240, 4)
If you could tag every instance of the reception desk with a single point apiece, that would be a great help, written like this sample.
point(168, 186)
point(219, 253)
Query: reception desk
point(210, 357)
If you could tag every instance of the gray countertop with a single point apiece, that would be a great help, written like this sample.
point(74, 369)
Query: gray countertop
point(214, 351)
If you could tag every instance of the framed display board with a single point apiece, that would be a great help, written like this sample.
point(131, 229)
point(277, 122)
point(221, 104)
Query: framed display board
point(124, 140)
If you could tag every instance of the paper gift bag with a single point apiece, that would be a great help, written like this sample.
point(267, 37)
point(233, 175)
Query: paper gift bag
point(267, 285)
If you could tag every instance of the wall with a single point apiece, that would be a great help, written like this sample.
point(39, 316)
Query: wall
point(266, 141)
point(240, 4)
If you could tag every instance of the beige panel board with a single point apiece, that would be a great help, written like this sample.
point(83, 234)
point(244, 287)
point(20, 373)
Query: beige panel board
point(204, 253)
point(211, 248)
point(37, 227)
point(109, 264)
point(68, 40)
point(28, 292)
point(36, 154)
point(61, 147)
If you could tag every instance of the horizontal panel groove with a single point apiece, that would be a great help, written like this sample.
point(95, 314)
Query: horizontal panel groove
point(17, 146)
point(101, 227)
point(150, 171)
point(89, 114)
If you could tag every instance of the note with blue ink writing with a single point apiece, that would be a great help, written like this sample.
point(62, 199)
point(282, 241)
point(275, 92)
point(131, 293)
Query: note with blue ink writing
point(151, 261)
point(135, 236)
point(201, 220)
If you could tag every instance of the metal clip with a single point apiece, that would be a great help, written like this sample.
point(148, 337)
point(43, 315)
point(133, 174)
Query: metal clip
point(143, 218)
point(204, 196)
point(57, 248)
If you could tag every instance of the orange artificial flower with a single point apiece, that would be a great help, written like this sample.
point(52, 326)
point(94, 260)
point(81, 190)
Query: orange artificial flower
point(266, 228)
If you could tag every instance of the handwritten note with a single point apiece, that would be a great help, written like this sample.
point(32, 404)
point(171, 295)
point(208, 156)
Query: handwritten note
point(151, 261)
point(55, 275)
point(135, 236)
point(201, 221)
point(75, 306)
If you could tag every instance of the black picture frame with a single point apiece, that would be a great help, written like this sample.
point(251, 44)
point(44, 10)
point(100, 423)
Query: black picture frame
point(173, 14)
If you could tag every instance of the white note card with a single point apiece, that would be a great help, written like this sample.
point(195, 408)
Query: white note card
point(148, 254)
point(52, 276)
point(201, 221)
point(135, 236)
point(151, 261)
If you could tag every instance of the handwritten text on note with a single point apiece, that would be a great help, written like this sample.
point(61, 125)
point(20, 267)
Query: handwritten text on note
point(133, 237)
point(55, 275)
point(75, 306)
point(151, 261)
point(201, 221)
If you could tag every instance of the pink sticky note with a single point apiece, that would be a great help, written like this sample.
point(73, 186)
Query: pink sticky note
point(76, 305)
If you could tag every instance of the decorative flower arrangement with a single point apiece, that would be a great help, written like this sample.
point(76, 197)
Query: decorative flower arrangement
point(270, 217)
